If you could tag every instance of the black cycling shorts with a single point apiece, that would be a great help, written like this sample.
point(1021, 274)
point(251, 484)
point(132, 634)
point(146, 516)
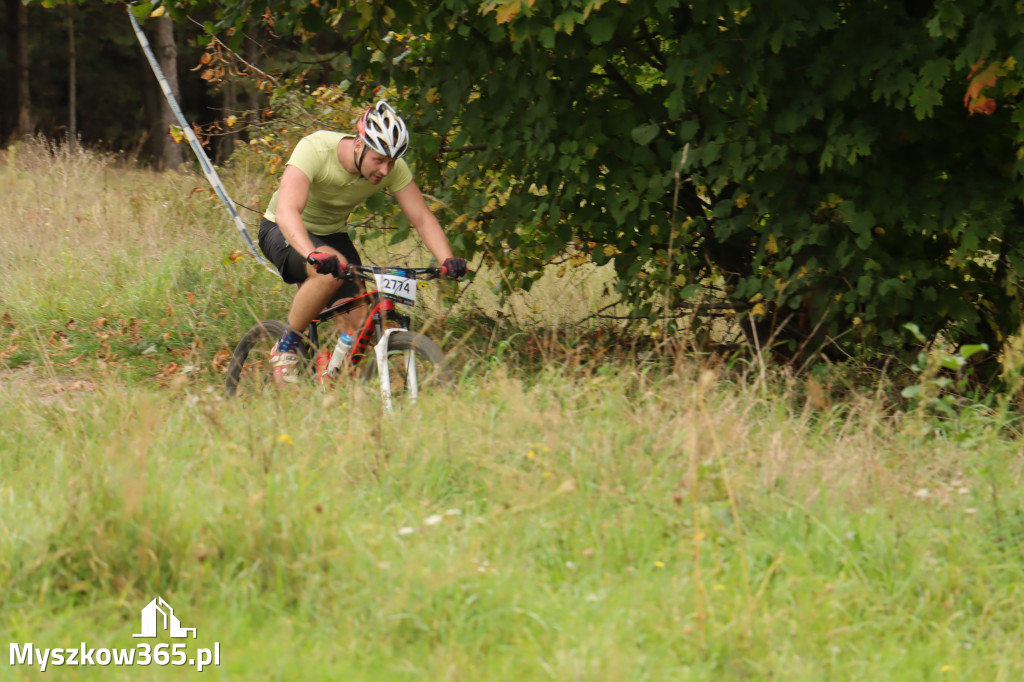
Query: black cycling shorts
point(292, 265)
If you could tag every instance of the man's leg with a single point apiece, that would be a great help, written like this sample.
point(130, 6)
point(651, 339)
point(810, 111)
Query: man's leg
point(315, 292)
point(313, 295)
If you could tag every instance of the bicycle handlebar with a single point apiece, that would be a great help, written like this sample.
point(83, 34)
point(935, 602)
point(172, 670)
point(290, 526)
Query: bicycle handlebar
point(367, 272)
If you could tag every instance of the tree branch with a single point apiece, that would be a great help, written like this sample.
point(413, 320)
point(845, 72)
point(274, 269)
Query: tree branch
point(616, 75)
point(655, 50)
point(445, 149)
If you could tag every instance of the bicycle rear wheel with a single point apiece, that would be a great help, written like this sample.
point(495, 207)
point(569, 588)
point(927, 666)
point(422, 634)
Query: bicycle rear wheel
point(249, 370)
point(431, 366)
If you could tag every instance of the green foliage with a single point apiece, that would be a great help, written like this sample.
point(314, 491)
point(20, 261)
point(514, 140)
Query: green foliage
point(814, 161)
point(834, 170)
point(944, 377)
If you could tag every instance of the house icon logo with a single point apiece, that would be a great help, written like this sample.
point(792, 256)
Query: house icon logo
point(159, 613)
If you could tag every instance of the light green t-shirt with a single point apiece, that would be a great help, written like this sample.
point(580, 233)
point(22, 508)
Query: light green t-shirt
point(334, 192)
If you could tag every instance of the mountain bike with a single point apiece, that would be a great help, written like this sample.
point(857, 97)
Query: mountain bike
point(404, 362)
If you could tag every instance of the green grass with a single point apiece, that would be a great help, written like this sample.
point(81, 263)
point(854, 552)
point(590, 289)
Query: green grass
point(633, 520)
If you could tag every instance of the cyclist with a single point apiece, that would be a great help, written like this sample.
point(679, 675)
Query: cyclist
point(303, 231)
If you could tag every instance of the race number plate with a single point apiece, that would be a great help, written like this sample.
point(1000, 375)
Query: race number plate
point(397, 288)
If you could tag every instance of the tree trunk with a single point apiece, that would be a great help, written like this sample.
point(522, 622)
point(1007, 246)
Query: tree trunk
point(170, 153)
point(252, 53)
point(17, 14)
point(229, 102)
point(148, 146)
point(72, 81)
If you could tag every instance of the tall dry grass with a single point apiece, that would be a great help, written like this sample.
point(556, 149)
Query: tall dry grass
point(628, 519)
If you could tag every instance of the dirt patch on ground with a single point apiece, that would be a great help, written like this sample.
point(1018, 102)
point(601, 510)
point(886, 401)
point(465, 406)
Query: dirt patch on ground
point(48, 389)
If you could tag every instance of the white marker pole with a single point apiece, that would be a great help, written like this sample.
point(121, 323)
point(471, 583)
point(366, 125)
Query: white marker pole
point(204, 162)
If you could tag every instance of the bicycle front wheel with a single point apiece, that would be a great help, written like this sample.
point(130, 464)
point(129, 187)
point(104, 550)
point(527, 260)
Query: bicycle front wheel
point(415, 365)
point(249, 370)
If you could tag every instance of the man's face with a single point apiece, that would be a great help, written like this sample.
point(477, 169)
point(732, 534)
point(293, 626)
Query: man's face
point(375, 166)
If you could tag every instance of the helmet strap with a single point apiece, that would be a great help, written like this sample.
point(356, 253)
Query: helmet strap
point(359, 161)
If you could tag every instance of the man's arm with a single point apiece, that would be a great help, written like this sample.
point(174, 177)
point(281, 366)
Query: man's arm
point(419, 214)
point(291, 200)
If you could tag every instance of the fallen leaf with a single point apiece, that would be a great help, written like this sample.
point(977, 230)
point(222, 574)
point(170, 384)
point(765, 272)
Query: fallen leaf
point(58, 338)
point(221, 360)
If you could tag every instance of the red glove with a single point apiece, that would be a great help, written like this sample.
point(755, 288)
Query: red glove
point(326, 263)
point(456, 267)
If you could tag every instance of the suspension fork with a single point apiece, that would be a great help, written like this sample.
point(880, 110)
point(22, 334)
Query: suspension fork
point(380, 351)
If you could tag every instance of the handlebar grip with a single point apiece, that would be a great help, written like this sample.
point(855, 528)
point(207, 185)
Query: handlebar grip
point(444, 271)
point(345, 271)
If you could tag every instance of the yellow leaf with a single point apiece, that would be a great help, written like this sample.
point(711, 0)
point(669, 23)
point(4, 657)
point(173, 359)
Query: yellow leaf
point(771, 247)
point(231, 120)
point(158, 12)
point(610, 251)
point(757, 309)
point(741, 200)
point(507, 11)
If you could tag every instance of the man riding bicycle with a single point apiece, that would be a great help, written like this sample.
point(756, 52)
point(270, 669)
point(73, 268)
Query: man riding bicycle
point(304, 229)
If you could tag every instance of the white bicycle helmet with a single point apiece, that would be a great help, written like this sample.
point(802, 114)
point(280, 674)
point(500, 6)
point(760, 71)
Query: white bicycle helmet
point(383, 131)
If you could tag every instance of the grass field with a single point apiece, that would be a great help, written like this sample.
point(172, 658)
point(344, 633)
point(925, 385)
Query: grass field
point(654, 518)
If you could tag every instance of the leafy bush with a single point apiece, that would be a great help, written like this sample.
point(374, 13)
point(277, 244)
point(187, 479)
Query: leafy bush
point(820, 168)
